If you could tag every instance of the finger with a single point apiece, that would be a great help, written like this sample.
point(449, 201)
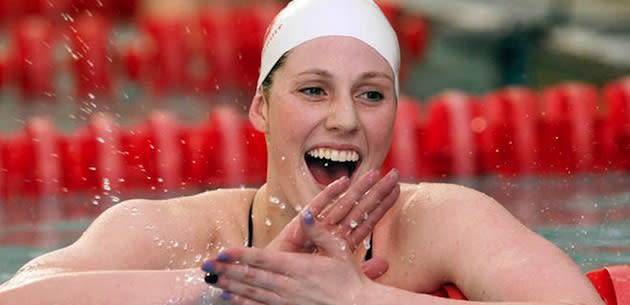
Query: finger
point(236, 299)
point(365, 228)
point(277, 262)
point(372, 199)
point(348, 200)
point(328, 195)
point(246, 291)
point(324, 239)
point(375, 267)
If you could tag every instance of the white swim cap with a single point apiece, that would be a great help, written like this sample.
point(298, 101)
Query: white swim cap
point(303, 20)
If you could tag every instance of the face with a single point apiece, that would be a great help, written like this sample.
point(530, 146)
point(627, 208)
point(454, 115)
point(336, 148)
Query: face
point(330, 113)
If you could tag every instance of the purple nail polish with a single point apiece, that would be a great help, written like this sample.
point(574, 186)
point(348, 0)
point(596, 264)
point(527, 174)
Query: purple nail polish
point(223, 257)
point(308, 217)
point(207, 266)
point(226, 295)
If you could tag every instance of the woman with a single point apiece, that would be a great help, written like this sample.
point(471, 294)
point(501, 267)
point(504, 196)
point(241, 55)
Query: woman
point(326, 101)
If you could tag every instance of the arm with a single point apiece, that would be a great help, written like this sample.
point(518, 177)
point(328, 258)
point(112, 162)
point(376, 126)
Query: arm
point(485, 251)
point(115, 287)
point(118, 258)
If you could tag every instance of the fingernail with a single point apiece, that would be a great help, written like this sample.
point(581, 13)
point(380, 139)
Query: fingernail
point(211, 278)
point(223, 257)
point(207, 266)
point(308, 217)
point(226, 295)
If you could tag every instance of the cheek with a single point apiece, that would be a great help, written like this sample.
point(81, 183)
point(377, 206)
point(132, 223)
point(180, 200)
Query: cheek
point(288, 128)
point(380, 128)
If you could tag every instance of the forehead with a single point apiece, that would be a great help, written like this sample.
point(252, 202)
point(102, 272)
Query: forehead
point(337, 54)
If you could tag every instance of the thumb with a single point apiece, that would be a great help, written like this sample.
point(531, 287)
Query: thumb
point(323, 239)
point(375, 268)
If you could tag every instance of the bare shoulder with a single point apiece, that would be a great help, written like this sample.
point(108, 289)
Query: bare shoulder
point(449, 208)
point(154, 234)
point(442, 194)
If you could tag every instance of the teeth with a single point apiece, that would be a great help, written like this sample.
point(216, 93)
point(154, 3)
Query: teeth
point(334, 155)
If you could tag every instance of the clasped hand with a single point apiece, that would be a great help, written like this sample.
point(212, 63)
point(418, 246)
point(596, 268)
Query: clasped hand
point(336, 221)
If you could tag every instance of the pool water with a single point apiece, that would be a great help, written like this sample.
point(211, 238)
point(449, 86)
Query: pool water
point(587, 216)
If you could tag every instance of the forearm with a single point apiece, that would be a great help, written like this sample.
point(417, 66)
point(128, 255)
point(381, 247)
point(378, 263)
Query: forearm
point(114, 287)
point(386, 295)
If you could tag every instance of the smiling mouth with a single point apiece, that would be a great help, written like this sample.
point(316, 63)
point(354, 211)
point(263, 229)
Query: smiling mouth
point(327, 165)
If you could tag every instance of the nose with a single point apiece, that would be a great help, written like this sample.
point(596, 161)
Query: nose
point(342, 116)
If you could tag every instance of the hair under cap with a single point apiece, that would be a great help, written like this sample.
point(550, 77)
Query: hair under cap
point(303, 20)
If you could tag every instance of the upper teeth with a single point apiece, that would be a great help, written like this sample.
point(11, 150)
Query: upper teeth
point(334, 155)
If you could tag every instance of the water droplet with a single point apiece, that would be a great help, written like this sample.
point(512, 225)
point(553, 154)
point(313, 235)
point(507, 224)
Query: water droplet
point(367, 244)
point(353, 223)
point(365, 216)
point(106, 185)
point(411, 258)
point(91, 95)
point(268, 222)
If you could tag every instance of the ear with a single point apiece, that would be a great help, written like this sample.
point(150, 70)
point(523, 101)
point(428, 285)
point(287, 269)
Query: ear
point(258, 112)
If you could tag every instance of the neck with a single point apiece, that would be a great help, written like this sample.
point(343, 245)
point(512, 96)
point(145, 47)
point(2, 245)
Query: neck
point(271, 213)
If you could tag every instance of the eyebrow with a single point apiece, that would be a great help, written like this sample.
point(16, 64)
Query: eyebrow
point(375, 74)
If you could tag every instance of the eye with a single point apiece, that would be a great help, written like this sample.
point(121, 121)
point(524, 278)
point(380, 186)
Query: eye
point(373, 96)
point(312, 91)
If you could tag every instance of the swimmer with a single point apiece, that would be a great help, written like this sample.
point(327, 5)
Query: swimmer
point(326, 101)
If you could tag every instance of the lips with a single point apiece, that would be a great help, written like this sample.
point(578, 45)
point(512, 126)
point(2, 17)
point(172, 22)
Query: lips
point(328, 164)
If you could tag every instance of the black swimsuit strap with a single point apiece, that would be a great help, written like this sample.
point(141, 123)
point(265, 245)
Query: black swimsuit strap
point(250, 227)
point(250, 232)
point(368, 254)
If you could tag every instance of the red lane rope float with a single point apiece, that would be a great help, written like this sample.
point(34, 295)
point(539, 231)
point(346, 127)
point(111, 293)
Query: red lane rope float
point(256, 155)
point(91, 56)
point(33, 58)
point(453, 134)
point(4, 67)
point(227, 155)
point(152, 156)
point(569, 111)
point(104, 150)
point(405, 153)
point(249, 24)
point(616, 134)
point(169, 53)
point(509, 139)
point(165, 169)
point(135, 143)
point(42, 178)
point(218, 48)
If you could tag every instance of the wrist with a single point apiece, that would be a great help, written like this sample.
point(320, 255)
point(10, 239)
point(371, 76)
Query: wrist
point(374, 293)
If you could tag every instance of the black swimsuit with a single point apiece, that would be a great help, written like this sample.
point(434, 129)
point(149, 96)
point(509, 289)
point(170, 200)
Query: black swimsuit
point(250, 232)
